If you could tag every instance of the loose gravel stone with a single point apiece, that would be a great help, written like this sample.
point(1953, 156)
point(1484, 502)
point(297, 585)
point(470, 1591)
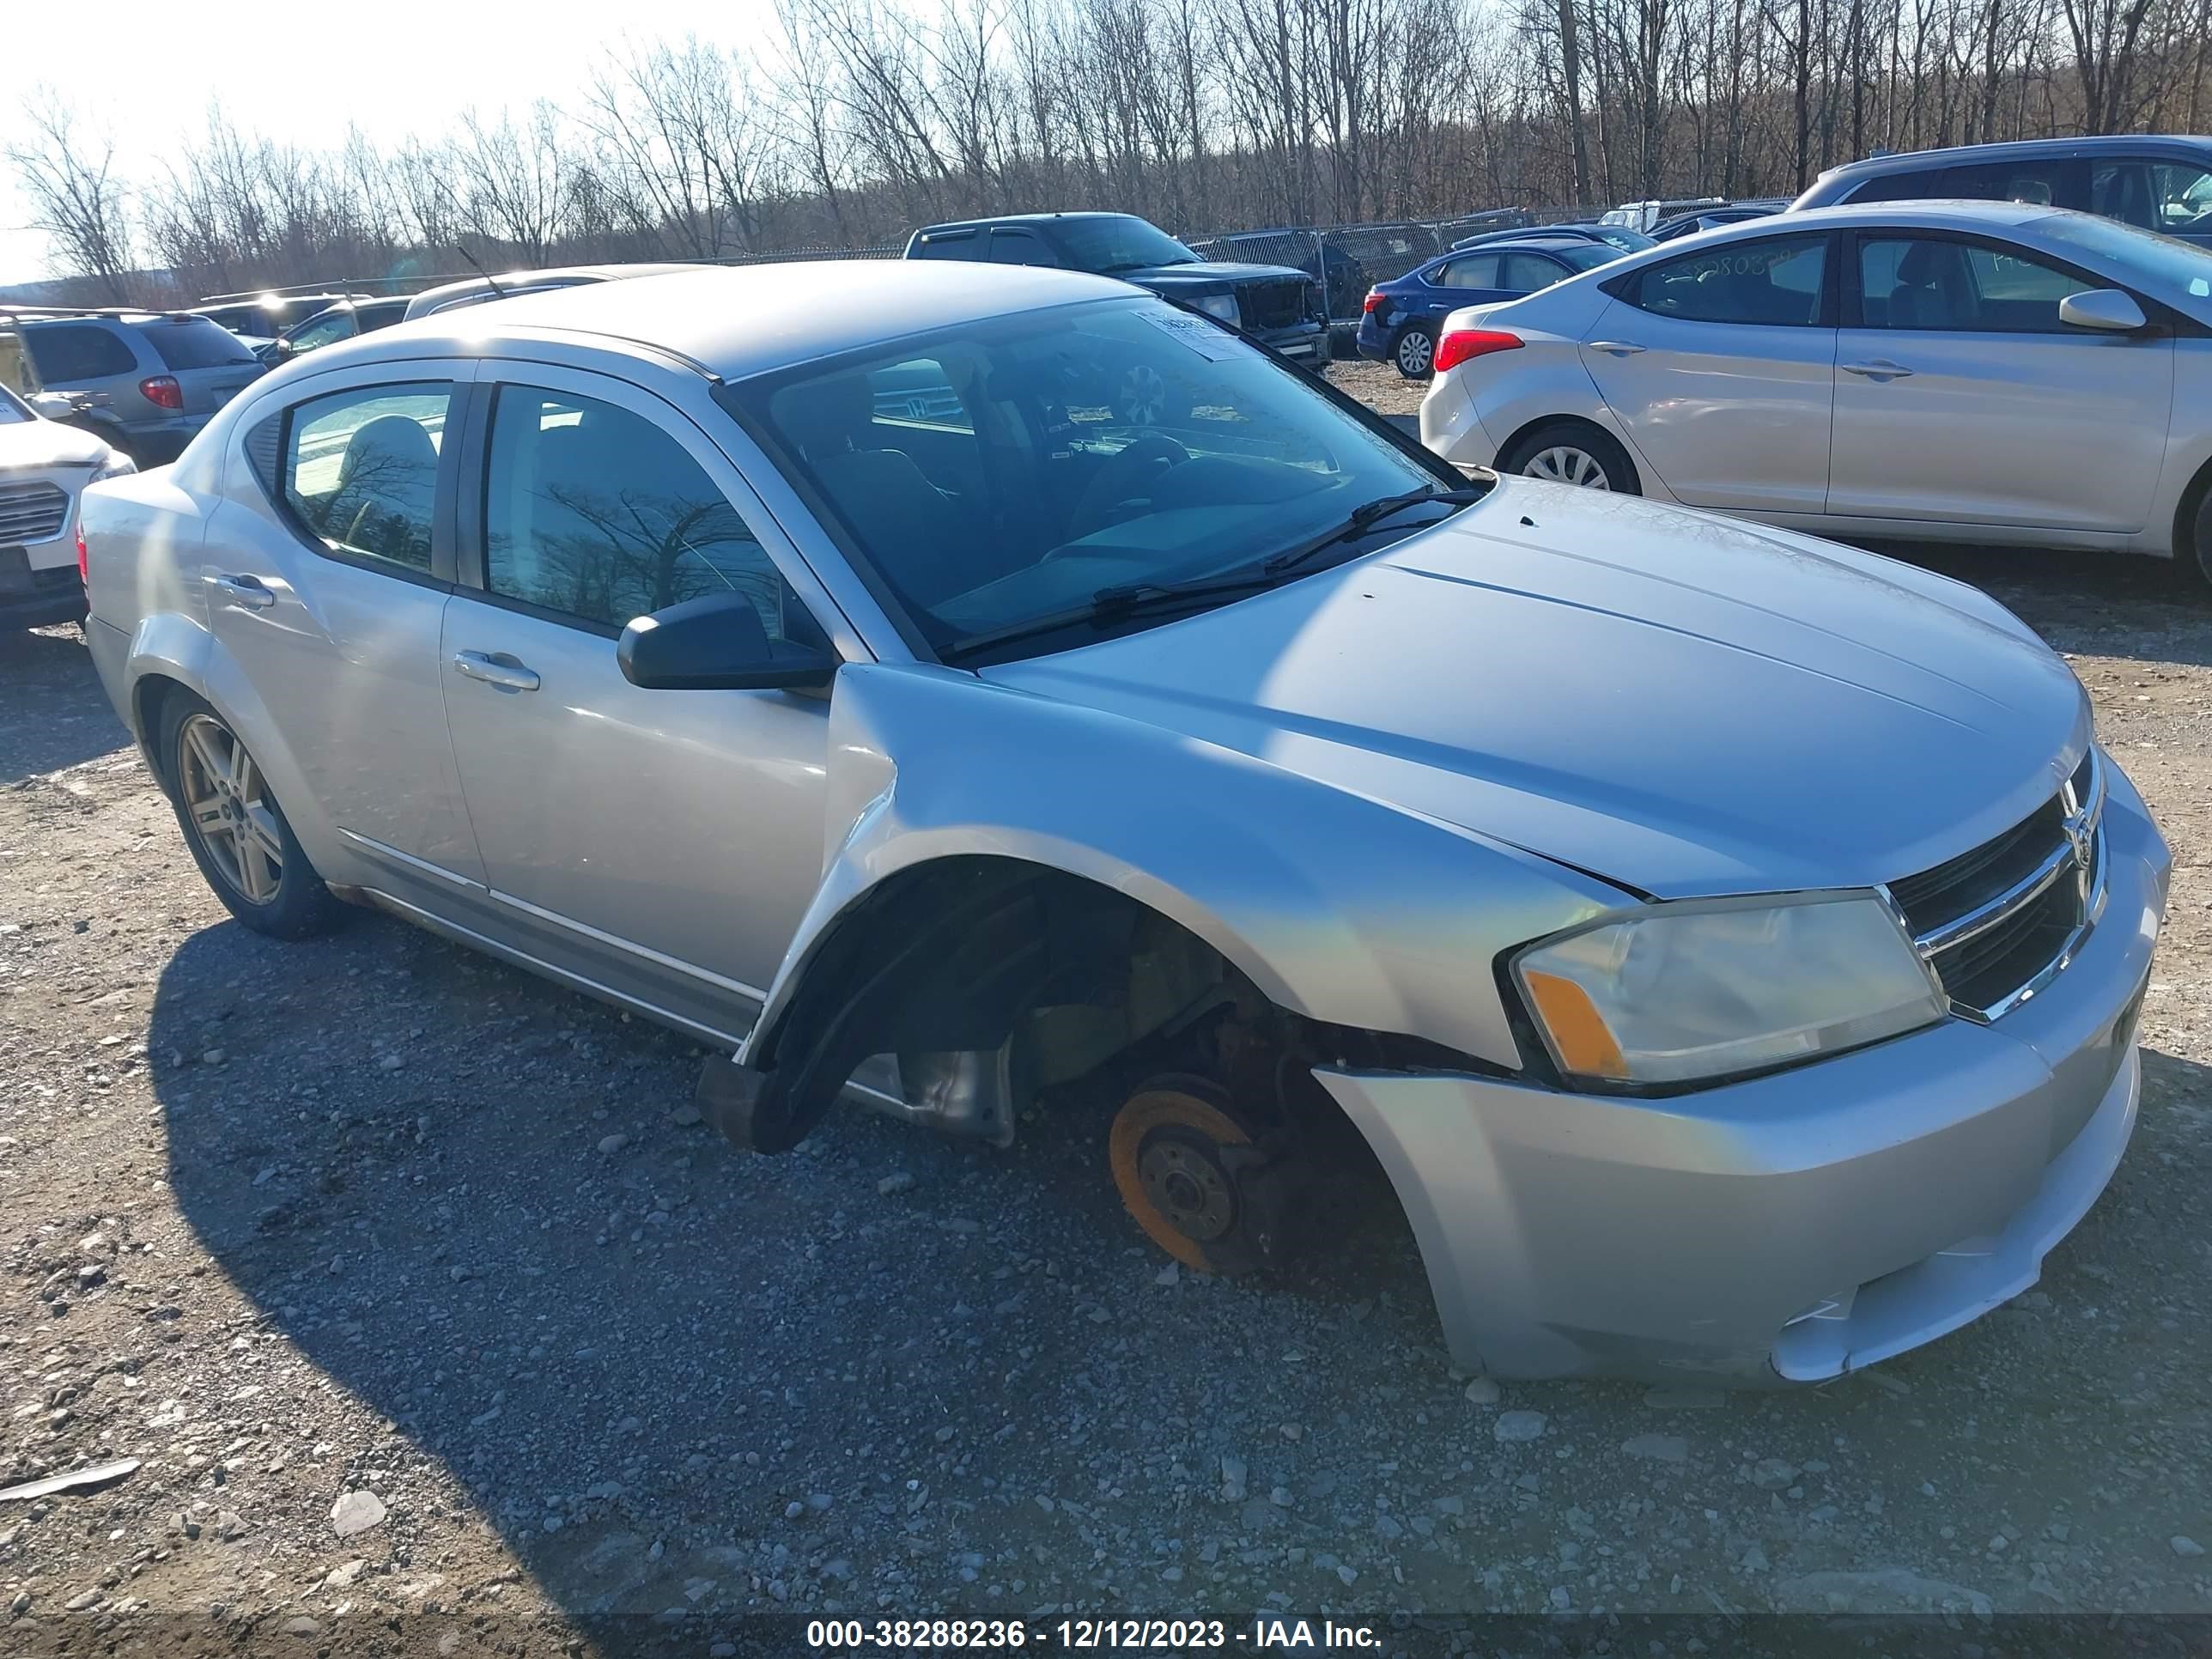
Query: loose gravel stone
point(356, 1512)
point(1512, 1426)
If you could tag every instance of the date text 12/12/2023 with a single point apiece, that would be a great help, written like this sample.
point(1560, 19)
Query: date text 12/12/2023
point(1275, 1634)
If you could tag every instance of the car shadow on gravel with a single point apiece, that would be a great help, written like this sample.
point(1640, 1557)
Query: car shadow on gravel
point(475, 1201)
point(56, 714)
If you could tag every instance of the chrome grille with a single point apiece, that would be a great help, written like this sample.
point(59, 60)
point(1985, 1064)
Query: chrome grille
point(2000, 920)
point(33, 512)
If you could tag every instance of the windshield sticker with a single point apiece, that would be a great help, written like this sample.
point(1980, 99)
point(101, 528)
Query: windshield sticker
point(1200, 335)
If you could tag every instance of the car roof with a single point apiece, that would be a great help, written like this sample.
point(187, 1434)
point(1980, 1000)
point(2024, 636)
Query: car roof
point(1535, 240)
point(2018, 149)
point(737, 321)
point(578, 274)
point(1026, 219)
point(1966, 216)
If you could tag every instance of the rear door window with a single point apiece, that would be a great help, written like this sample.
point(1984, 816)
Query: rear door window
point(1020, 247)
point(198, 344)
point(1470, 270)
point(360, 470)
point(1525, 273)
point(2050, 183)
point(1777, 283)
point(949, 245)
point(68, 353)
point(1913, 185)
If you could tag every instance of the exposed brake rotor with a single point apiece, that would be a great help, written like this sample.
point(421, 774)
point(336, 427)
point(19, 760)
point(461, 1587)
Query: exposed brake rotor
point(1191, 1176)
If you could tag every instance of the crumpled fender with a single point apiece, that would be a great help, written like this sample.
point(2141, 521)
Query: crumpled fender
point(1340, 907)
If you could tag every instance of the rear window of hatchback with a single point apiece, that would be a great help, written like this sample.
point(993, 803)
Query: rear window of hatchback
point(197, 343)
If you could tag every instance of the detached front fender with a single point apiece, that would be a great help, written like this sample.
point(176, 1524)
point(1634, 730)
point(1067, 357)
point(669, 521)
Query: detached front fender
point(1337, 907)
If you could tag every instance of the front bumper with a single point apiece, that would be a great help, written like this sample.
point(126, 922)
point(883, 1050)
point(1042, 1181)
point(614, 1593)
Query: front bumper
point(1795, 1226)
point(39, 584)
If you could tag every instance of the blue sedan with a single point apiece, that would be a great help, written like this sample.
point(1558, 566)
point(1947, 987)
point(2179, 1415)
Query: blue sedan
point(1402, 316)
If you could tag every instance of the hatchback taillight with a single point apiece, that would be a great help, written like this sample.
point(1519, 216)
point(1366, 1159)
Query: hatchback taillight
point(1377, 299)
point(162, 391)
point(1461, 344)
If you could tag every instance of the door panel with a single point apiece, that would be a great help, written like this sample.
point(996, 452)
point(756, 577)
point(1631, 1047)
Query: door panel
point(1967, 402)
point(1730, 415)
point(342, 645)
point(662, 843)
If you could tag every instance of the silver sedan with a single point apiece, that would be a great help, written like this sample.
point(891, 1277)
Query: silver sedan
point(1955, 371)
point(1729, 944)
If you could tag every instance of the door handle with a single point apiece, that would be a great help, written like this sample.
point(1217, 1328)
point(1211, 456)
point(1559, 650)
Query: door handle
point(1616, 348)
point(248, 591)
point(1881, 369)
point(501, 670)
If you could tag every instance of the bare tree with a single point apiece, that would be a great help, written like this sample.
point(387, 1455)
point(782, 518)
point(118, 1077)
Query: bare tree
point(68, 174)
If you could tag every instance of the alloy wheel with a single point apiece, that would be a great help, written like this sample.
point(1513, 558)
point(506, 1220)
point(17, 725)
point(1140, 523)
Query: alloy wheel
point(1565, 463)
point(1416, 351)
point(228, 805)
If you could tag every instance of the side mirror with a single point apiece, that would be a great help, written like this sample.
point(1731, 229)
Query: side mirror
point(2107, 309)
point(716, 644)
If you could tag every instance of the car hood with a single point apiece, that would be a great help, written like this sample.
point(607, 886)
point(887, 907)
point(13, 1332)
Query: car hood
point(1213, 274)
point(48, 443)
point(1682, 704)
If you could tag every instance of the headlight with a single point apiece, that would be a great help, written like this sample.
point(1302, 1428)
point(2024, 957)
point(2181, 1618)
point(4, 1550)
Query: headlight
point(117, 465)
point(1695, 993)
point(1223, 305)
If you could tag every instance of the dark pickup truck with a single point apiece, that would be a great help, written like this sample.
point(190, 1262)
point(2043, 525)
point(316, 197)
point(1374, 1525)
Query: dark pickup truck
point(1277, 306)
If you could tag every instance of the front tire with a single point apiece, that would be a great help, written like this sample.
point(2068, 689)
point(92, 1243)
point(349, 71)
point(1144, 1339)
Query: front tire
point(1572, 453)
point(1414, 353)
point(236, 830)
point(2192, 560)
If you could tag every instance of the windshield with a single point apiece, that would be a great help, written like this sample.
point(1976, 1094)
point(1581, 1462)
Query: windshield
point(1625, 240)
point(2177, 272)
point(1117, 241)
point(13, 409)
point(996, 473)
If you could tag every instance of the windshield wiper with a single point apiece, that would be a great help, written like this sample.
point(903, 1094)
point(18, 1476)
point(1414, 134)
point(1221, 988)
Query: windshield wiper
point(1361, 519)
point(1111, 604)
point(1145, 599)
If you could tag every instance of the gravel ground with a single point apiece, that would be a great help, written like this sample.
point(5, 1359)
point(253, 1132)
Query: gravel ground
point(369, 1231)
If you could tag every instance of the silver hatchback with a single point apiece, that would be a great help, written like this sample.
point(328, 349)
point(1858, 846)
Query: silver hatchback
point(821, 663)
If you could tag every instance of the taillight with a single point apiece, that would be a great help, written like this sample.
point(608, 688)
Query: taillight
point(162, 390)
point(1461, 344)
point(83, 559)
point(1377, 299)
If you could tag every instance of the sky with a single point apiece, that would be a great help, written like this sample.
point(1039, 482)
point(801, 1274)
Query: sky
point(147, 72)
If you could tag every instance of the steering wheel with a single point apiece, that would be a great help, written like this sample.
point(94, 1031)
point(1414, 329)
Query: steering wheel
point(1123, 479)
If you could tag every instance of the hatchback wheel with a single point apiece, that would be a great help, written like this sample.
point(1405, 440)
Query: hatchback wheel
point(235, 828)
point(1570, 452)
point(1415, 354)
